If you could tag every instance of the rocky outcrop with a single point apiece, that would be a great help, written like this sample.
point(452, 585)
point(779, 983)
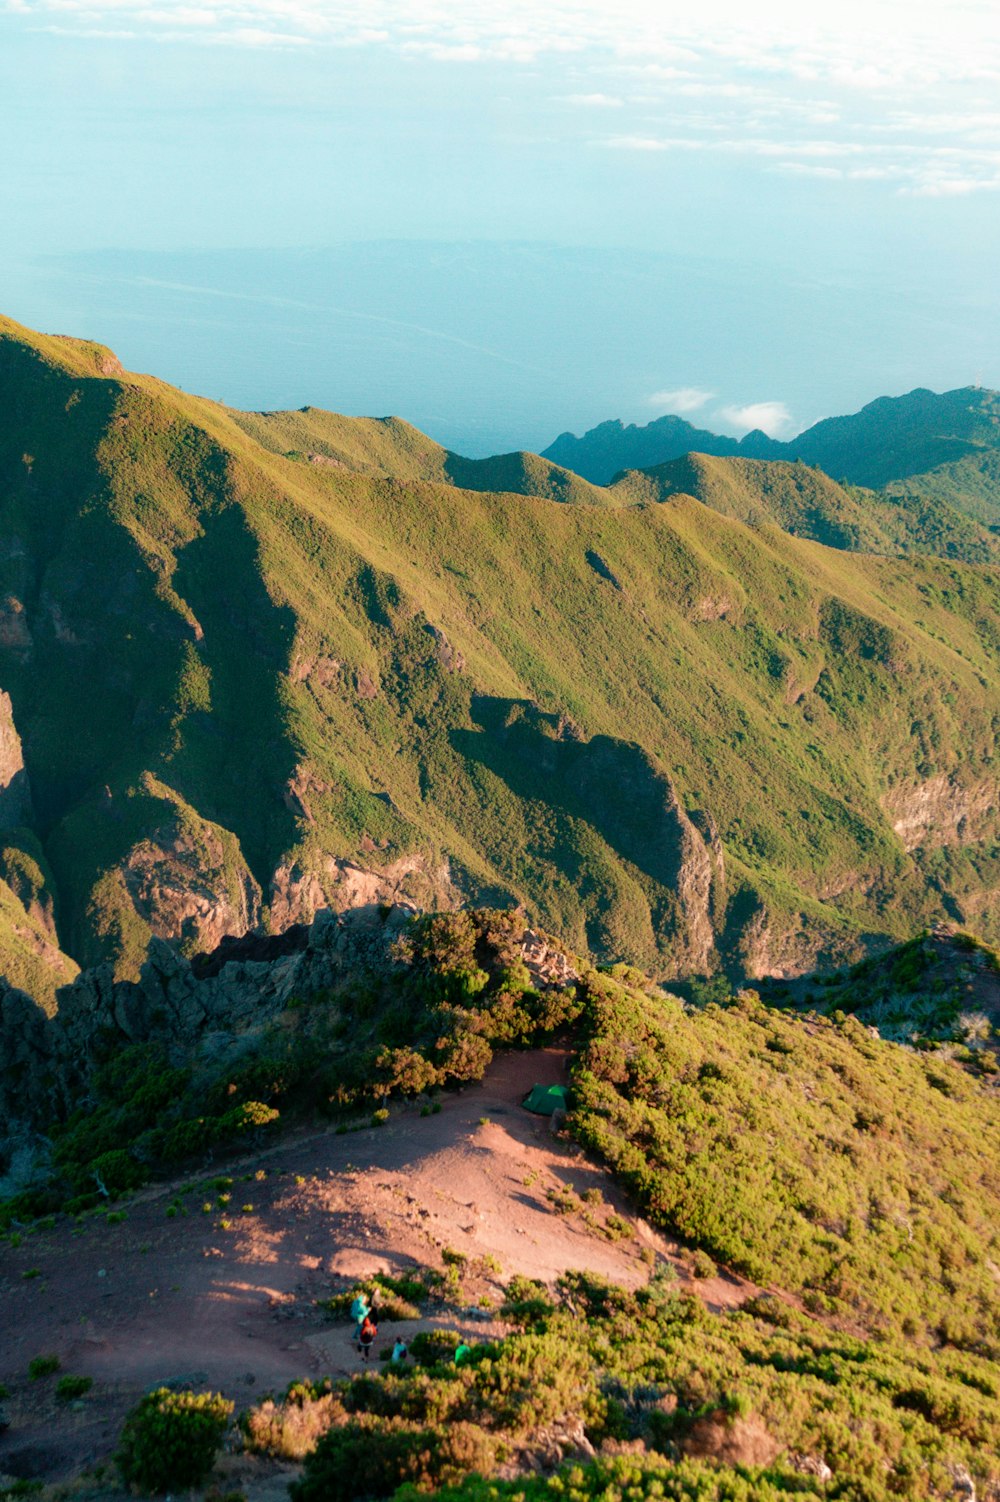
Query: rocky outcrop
point(182, 885)
point(15, 796)
point(299, 892)
point(546, 963)
point(943, 811)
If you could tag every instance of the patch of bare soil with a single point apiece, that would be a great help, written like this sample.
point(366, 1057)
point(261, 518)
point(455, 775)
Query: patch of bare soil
point(192, 1289)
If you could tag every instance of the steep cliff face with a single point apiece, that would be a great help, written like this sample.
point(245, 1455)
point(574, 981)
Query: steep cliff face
point(944, 810)
point(299, 892)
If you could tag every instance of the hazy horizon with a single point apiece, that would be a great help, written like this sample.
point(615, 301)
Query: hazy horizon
point(508, 225)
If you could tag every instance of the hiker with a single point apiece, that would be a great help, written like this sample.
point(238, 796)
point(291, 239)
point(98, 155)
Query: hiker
point(360, 1310)
point(366, 1339)
point(399, 1352)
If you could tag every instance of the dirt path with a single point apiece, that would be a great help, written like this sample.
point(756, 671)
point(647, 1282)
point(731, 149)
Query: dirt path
point(223, 1294)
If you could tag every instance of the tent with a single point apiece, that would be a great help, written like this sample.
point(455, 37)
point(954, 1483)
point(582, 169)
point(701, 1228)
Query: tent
point(545, 1100)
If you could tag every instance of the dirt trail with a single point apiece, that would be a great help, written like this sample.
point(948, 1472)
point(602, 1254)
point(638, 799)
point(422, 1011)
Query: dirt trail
point(225, 1297)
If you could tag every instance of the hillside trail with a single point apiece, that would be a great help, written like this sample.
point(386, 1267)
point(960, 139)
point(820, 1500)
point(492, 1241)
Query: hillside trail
point(224, 1296)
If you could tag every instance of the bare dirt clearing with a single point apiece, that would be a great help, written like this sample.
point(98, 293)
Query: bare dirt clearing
point(221, 1292)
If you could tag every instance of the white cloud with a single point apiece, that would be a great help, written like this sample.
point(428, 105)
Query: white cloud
point(773, 418)
point(595, 101)
point(882, 84)
point(686, 399)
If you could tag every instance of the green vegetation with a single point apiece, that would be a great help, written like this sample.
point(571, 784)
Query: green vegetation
point(70, 1387)
point(42, 1366)
point(804, 1153)
point(170, 1440)
point(726, 1406)
point(941, 988)
point(643, 722)
point(805, 502)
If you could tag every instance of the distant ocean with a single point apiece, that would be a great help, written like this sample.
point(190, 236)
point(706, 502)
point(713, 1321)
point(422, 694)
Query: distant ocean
point(493, 346)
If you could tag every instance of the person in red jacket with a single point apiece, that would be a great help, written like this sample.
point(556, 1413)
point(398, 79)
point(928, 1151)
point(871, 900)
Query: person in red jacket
point(366, 1339)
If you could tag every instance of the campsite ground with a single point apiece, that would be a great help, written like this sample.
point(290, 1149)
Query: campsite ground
point(192, 1289)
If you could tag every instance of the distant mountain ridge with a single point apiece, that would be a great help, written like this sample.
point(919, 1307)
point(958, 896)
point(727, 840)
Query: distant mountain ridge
point(889, 441)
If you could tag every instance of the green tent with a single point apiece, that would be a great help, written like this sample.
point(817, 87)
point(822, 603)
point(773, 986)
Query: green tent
point(544, 1100)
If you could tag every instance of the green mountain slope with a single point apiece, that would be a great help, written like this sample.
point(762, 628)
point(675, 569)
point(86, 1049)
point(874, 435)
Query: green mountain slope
point(895, 437)
point(806, 502)
point(248, 686)
point(390, 447)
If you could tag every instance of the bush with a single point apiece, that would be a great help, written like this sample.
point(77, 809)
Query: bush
point(170, 1440)
point(362, 1460)
point(42, 1366)
point(428, 1347)
point(72, 1387)
point(290, 1430)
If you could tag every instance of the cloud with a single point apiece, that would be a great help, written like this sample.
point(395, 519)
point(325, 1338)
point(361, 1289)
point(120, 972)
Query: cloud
point(773, 418)
point(595, 101)
point(686, 399)
point(871, 89)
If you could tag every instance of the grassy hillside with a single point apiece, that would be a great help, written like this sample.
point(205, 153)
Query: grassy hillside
point(240, 677)
point(805, 1153)
point(940, 989)
point(390, 447)
point(806, 502)
point(971, 485)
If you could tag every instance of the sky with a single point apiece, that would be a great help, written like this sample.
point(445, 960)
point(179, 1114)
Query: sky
point(508, 224)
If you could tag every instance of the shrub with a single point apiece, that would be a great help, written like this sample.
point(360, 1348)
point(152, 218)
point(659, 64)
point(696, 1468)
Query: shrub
point(42, 1366)
point(72, 1387)
point(170, 1440)
point(291, 1429)
point(362, 1460)
point(429, 1347)
point(702, 1265)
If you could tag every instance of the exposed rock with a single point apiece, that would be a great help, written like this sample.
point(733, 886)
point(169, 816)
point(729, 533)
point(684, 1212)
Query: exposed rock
point(766, 948)
point(214, 1005)
point(179, 885)
point(942, 811)
point(25, 1056)
point(712, 608)
point(546, 964)
point(809, 1465)
point(15, 634)
point(323, 671)
point(298, 894)
point(15, 795)
point(364, 685)
point(965, 1486)
point(695, 874)
point(450, 658)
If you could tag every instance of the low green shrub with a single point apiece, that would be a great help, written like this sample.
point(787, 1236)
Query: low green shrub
point(70, 1387)
point(170, 1440)
point(366, 1459)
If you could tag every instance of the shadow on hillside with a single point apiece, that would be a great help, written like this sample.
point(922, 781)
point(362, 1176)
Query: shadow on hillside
point(239, 759)
point(609, 784)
